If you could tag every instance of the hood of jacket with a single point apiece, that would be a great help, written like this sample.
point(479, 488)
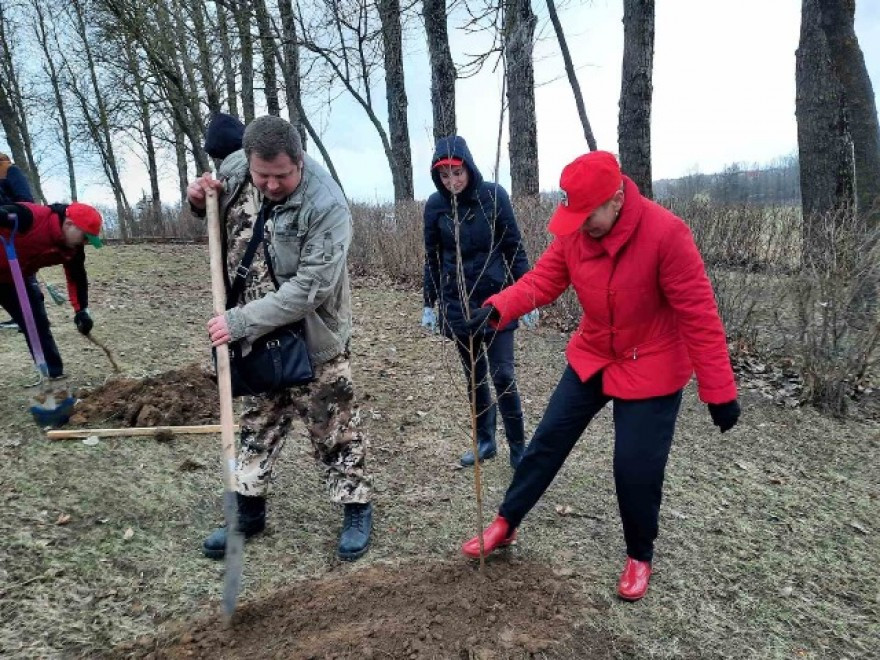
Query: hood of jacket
point(454, 146)
point(223, 136)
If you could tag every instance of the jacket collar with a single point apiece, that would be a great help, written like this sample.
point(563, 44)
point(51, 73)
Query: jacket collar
point(626, 225)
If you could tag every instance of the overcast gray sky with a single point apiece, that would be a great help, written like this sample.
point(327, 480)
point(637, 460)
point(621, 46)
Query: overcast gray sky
point(724, 92)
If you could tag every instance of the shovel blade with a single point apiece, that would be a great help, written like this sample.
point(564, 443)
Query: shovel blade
point(234, 558)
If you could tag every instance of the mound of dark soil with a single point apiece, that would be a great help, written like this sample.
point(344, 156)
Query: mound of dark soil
point(181, 397)
point(445, 610)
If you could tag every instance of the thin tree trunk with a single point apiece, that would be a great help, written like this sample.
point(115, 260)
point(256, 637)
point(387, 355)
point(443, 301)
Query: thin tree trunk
point(324, 153)
point(42, 34)
point(13, 137)
point(837, 20)
point(267, 51)
point(634, 124)
point(442, 68)
point(101, 129)
point(243, 21)
point(519, 33)
point(180, 154)
point(395, 94)
point(226, 55)
point(206, 69)
point(147, 131)
point(290, 67)
point(572, 76)
point(13, 114)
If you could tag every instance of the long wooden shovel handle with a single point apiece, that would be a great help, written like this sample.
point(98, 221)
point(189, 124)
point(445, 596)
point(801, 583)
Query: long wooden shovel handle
point(218, 294)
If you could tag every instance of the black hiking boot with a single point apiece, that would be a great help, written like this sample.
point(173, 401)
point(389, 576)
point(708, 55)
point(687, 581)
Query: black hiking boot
point(357, 525)
point(251, 521)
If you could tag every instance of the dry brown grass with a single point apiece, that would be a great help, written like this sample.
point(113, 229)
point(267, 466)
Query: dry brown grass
point(768, 532)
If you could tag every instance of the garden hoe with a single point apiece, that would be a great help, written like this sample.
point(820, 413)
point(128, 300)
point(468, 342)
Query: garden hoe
point(234, 538)
point(52, 405)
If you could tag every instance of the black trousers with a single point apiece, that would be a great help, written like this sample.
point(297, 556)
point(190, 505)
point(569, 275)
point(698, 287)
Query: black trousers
point(643, 431)
point(494, 360)
point(9, 301)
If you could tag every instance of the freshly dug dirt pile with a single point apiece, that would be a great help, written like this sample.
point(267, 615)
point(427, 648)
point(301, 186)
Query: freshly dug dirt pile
point(179, 397)
point(439, 610)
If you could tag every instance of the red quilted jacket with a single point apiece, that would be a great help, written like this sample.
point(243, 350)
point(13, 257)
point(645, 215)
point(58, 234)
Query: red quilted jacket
point(650, 319)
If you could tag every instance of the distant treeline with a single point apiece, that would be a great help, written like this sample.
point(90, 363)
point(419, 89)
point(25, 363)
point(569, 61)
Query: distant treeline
point(776, 183)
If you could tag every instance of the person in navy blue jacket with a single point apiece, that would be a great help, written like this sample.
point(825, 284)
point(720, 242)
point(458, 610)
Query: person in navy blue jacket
point(473, 249)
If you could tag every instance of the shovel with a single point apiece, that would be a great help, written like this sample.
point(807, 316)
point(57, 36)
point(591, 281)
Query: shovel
point(52, 406)
point(234, 538)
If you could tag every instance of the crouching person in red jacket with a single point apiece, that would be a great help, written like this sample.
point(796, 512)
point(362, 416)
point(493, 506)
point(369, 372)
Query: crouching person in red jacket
point(48, 236)
point(650, 321)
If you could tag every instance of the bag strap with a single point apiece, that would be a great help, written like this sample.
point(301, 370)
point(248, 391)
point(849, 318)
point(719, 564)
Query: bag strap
point(244, 267)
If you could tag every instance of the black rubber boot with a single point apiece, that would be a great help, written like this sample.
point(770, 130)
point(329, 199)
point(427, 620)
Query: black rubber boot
point(516, 453)
point(357, 525)
point(515, 430)
point(487, 450)
point(485, 438)
point(251, 521)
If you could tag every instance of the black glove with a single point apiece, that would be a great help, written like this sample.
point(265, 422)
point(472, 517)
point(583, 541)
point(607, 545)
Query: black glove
point(480, 317)
point(725, 415)
point(83, 321)
point(25, 217)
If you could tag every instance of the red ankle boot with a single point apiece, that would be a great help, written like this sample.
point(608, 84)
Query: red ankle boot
point(496, 535)
point(634, 579)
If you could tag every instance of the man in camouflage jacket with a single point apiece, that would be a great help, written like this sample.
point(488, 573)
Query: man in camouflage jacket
point(305, 246)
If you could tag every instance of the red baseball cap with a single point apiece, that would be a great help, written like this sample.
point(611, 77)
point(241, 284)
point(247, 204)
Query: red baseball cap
point(587, 182)
point(88, 219)
point(452, 162)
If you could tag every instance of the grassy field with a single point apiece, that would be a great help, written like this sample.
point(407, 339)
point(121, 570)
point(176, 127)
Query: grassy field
point(768, 533)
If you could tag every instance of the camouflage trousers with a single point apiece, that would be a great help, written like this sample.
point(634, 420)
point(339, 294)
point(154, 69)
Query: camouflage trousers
point(327, 407)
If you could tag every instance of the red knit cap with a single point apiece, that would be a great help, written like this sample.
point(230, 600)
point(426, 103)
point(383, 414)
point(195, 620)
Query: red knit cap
point(587, 182)
point(88, 219)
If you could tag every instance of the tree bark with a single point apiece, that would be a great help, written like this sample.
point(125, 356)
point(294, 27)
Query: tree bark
point(442, 69)
point(267, 50)
point(206, 67)
point(634, 124)
point(395, 94)
point(42, 33)
point(100, 128)
point(147, 131)
point(226, 56)
point(13, 114)
point(290, 67)
point(848, 62)
point(824, 145)
point(519, 33)
point(243, 21)
point(180, 157)
point(572, 76)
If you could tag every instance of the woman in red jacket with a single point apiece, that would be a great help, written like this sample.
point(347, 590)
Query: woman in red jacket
point(650, 321)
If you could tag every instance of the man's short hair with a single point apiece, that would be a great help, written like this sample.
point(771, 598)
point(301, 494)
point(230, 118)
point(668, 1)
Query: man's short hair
point(269, 136)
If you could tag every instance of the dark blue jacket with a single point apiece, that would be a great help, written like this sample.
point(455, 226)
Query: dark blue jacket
point(492, 255)
point(15, 187)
